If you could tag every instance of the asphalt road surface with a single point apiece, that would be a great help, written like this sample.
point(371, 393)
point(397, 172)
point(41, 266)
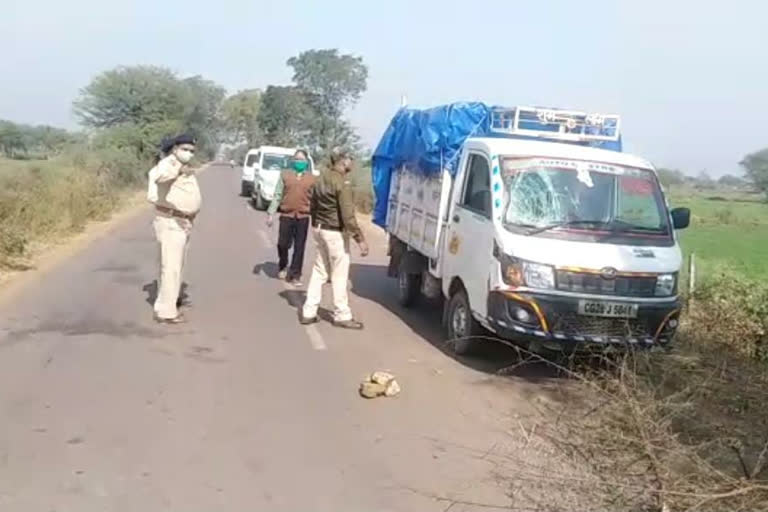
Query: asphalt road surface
point(242, 408)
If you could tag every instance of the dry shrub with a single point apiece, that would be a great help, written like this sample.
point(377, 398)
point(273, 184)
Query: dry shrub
point(686, 430)
point(733, 310)
point(664, 432)
point(43, 200)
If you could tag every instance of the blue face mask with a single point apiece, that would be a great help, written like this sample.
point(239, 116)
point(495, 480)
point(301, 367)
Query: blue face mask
point(299, 165)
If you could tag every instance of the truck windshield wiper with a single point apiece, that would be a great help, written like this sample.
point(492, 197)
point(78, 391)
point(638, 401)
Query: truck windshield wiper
point(613, 226)
point(619, 226)
point(568, 224)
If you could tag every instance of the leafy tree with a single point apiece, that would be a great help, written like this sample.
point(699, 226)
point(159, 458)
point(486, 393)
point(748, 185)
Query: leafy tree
point(202, 115)
point(330, 83)
point(138, 95)
point(756, 165)
point(240, 117)
point(136, 107)
point(704, 181)
point(12, 140)
point(729, 180)
point(34, 141)
point(283, 116)
point(670, 177)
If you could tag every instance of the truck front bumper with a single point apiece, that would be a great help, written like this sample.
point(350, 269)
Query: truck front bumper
point(556, 319)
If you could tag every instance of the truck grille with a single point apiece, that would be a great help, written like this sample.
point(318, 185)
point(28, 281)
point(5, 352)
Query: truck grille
point(572, 324)
point(581, 282)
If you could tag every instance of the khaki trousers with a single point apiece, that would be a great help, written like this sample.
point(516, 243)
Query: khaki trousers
point(332, 260)
point(173, 237)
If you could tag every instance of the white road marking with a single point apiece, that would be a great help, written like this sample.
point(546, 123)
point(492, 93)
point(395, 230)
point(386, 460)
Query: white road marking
point(315, 338)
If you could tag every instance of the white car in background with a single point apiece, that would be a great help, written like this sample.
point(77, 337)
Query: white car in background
point(261, 172)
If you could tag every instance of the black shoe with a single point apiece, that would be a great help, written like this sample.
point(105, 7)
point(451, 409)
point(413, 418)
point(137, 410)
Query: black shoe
point(307, 321)
point(349, 324)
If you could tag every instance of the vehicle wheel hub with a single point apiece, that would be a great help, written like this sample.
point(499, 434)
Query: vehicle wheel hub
point(460, 321)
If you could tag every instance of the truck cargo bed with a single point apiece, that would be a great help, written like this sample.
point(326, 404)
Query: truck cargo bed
point(417, 206)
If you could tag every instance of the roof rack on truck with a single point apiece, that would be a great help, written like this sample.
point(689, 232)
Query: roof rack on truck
point(555, 124)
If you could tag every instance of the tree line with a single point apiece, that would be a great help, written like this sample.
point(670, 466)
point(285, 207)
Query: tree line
point(131, 109)
point(23, 141)
point(676, 177)
point(136, 107)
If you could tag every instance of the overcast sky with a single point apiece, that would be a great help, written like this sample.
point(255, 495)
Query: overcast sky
point(689, 81)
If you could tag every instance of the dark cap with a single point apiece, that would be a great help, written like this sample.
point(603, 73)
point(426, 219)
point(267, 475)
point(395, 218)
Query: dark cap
point(170, 142)
point(184, 138)
point(338, 154)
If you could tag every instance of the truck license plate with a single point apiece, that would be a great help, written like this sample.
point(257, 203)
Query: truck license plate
point(607, 309)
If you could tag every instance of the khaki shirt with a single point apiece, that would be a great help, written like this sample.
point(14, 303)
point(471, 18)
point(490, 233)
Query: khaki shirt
point(333, 204)
point(173, 185)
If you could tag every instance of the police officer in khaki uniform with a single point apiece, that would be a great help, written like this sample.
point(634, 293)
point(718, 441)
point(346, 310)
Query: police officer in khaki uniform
point(174, 191)
point(333, 219)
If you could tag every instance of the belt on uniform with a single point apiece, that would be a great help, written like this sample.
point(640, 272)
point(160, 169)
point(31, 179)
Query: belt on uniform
point(323, 227)
point(175, 213)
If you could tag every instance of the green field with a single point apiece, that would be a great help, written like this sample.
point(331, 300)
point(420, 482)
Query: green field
point(731, 232)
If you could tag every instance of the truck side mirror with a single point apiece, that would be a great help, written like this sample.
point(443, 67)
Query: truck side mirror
point(681, 218)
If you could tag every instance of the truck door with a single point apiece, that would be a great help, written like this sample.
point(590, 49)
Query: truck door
point(469, 240)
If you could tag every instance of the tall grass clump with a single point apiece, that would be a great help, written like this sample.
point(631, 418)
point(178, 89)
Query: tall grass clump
point(41, 200)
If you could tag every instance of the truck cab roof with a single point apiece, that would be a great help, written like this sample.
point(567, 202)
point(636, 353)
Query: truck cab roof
point(535, 148)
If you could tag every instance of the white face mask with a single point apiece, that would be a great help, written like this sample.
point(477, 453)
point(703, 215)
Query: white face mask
point(184, 156)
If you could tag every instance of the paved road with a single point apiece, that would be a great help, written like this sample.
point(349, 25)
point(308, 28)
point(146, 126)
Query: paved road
point(241, 408)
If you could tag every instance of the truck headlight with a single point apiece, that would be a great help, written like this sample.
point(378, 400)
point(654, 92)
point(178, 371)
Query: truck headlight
point(511, 268)
point(538, 276)
point(666, 285)
point(516, 272)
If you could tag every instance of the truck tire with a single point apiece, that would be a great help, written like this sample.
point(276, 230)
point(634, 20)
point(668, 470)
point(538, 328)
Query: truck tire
point(408, 286)
point(462, 328)
point(258, 201)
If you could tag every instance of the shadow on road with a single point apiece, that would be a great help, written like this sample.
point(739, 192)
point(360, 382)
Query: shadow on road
point(295, 298)
point(151, 290)
point(425, 319)
point(268, 268)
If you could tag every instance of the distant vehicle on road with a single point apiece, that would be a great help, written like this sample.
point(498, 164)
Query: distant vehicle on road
point(531, 224)
point(261, 171)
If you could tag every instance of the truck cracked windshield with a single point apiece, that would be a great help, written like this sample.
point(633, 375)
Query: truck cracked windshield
point(542, 195)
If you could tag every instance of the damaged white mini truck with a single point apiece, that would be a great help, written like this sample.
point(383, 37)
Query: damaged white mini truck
point(530, 223)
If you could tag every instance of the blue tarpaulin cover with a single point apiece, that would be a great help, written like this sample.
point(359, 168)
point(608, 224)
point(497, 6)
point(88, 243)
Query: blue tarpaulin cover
point(429, 140)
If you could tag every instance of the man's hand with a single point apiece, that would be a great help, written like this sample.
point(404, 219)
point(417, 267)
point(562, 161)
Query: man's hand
point(270, 221)
point(364, 250)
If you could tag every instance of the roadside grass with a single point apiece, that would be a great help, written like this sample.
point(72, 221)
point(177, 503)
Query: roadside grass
point(43, 200)
point(726, 229)
point(743, 248)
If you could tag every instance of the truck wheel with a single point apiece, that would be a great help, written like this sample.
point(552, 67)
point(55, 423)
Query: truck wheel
point(258, 201)
point(408, 286)
point(462, 326)
point(245, 189)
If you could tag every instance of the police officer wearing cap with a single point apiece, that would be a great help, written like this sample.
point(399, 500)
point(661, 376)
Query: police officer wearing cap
point(174, 191)
point(333, 219)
